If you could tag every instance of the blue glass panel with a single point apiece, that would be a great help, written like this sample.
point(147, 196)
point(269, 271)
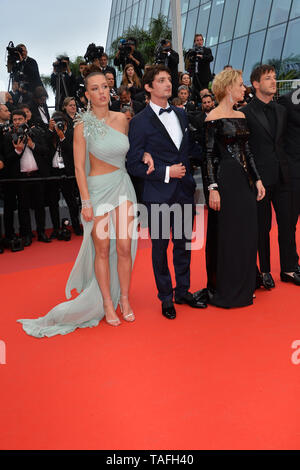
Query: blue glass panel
point(243, 18)
point(222, 56)
point(274, 43)
point(190, 29)
point(260, 15)
point(280, 11)
point(228, 21)
point(295, 9)
point(203, 18)
point(214, 24)
point(238, 52)
point(253, 53)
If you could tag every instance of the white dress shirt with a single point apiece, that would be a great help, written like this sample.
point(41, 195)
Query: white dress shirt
point(172, 125)
point(27, 162)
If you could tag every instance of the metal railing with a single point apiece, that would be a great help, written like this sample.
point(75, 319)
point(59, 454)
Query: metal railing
point(285, 86)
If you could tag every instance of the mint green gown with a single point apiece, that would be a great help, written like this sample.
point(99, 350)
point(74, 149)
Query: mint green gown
point(107, 192)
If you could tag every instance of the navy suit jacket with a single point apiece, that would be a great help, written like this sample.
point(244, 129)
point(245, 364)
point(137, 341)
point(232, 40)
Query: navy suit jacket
point(148, 134)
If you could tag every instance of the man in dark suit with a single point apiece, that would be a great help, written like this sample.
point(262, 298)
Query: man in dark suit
point(199, 59)
point(267, 123)
point(162, 131)
point(125, 100)
point(291, 101)
point(27, 158)
point(170, 58)
point(28, 68)
point(39, 109)
point(62, 164)
point(134, 57)
point(104, 67)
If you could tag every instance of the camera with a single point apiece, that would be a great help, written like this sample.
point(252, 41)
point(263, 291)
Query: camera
point(59, 123)
point(161, 51)
point(125, 48)
point(65, 233)
point(60, 66)
point(24, 131)
point(13, 53)
point(93, 52)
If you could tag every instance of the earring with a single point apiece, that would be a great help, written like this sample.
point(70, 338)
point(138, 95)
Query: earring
point(230, 98)
point(88, 105)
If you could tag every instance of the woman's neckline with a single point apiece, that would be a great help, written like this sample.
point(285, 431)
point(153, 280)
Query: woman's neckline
point(219, 119)
point(104, 122)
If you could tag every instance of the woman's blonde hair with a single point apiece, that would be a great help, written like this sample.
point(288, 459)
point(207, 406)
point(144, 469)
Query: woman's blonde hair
point(222, 80)
point(67, 101)
point(135, 78)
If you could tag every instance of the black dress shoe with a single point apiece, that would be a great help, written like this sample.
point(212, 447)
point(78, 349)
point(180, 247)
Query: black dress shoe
point(191, 300)
point(267, 281)
point(27, 240)
point(294, 278)
point(168, 309)
point(297, 271)
point(42, 237)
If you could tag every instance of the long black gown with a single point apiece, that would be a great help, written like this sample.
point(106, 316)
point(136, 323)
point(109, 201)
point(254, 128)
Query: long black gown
point(231, 246)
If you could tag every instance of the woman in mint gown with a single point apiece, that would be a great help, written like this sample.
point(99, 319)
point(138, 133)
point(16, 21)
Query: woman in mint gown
point(102, 270)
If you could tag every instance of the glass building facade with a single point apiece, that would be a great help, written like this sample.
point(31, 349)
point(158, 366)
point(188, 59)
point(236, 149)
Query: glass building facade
point(239, 32)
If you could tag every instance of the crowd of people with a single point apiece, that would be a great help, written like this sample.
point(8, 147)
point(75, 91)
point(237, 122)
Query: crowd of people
point(244, 141)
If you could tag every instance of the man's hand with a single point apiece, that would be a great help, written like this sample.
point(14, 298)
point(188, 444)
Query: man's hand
point(19, 146)
point(51, 125)
point(177, 171)
point(148, 160)
point(214, 200)
point(30, 143)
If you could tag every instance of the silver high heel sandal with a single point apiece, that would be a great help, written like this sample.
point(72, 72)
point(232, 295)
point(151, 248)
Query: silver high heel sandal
point(129, 316)
point(112, 321)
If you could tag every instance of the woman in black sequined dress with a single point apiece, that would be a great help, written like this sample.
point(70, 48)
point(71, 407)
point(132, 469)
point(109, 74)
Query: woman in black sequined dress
point(234, 185)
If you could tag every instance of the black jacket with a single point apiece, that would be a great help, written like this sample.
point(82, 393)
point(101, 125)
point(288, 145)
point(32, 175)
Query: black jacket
point(269, 153)
point(29, 68)
point(135, 105)
point(291, 102)
point(66, 147)
point(138, 68)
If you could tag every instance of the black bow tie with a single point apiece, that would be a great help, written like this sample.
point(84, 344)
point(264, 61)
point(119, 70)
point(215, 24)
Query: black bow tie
point(165, 110)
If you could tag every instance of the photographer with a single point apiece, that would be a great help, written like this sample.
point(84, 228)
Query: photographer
point(25, 154)
point(24, 69)
point(128, 55)
point(79, 88)
point(197, 61)
point(61, 153)
point(112, 89)
point(125, 100)
point(8, 198)
point(62, 80)
point(165, 55)
point(39, 108)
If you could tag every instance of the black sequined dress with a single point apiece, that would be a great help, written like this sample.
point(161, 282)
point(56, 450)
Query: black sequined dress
point(231, 246)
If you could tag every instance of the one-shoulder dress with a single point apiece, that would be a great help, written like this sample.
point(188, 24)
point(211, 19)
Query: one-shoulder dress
point(106, 192)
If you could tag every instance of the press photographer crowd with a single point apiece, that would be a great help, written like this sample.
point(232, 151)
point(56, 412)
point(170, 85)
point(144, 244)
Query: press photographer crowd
point(36, 148)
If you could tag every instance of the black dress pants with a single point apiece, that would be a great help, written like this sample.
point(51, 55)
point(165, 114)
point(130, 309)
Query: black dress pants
point(31, 195)
point(10, 205)
point(68, 188)
point(174, 217)
point(280, 197)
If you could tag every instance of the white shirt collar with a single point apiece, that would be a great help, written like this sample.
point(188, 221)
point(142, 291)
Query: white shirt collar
point(156, 108)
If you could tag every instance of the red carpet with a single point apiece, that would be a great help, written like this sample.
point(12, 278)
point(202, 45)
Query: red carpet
point(212, 379)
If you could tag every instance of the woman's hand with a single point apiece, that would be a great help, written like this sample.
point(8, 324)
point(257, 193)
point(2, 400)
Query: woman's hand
point(148, 160)
point(214, 200)
point(87, 214)
point(261, 192)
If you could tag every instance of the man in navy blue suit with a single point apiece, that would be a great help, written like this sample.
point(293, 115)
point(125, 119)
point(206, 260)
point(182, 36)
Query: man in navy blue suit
point(162, 131)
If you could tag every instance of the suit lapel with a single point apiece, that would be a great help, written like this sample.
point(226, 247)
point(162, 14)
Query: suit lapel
point(158, 124)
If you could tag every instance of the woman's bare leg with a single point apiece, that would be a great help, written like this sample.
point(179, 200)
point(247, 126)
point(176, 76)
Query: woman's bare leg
point(124, 226)
point(100, 234)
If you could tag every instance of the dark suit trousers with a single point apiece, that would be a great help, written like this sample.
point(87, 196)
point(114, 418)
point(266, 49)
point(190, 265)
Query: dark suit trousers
point(10, 205)
point(68, 188)
point(281, 199)
point(31, 195)
point(179, 222)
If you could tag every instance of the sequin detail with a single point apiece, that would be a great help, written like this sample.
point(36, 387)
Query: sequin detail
point(93, 127)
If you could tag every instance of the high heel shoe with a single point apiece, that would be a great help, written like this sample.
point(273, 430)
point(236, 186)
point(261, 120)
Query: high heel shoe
point(111, 321)
point(129, 316)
